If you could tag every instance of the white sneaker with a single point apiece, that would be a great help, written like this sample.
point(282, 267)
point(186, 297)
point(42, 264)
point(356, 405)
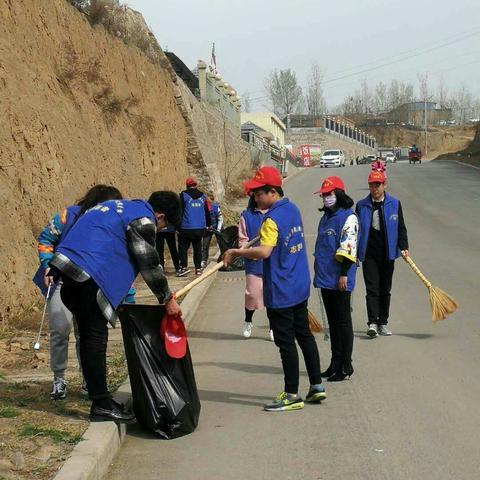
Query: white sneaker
point(383, 330)
point(372, 330)
point(271, 336)
point(247, 329)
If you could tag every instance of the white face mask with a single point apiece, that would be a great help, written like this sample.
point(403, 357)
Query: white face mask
point(330, 200)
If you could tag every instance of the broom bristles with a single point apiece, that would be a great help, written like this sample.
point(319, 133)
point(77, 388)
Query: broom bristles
point(313, 323)
point(442, 304)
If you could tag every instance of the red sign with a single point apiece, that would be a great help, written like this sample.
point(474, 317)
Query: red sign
point(306, 157)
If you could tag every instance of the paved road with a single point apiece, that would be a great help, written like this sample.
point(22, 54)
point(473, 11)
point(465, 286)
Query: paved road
point(411, 410)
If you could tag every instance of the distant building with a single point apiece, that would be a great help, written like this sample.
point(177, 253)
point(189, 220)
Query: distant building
point(413, 113)
point(262, 140)
point(270, 123)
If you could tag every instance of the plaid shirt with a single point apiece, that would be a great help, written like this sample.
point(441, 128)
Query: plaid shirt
point(141, 235)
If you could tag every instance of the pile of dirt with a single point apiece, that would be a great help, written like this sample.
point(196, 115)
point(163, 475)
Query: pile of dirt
point(441, 140)
point(79, 107)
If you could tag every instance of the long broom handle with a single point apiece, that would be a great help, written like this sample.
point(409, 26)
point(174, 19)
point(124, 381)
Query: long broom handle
point(209, 272)
point(420, 275)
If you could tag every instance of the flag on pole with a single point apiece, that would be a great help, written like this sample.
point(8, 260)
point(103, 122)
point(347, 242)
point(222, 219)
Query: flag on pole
point(213, 61)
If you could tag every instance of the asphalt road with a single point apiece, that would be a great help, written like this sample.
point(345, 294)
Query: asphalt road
point(410, 411)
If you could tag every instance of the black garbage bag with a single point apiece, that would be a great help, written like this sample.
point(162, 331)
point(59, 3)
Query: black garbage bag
point(165, 396)
point(227, 239)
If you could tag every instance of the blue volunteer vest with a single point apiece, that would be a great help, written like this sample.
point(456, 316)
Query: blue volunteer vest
point(327, 268)
point(193, 212)
point(390, 216)
point(97, 243)
point(214, 211)
point(286, 278)
point(253, 221)
point(73, 212)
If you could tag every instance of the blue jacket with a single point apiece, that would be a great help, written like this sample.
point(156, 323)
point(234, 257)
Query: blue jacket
point(193, 212)
point(327, 268)
point(253, 221)
point(97, 243)
point(390, 217)
point(214, 213)
point(286, 278)
point(49, 239)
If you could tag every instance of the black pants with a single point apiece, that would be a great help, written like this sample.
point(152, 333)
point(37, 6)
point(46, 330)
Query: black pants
point(288, 325)
point(185, 238)
point(337, 308)
point(81, 300)
point(378, 283)
point(168, 237)
point(206, 246)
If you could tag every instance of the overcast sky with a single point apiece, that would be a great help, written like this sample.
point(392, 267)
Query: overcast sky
point(252, 37)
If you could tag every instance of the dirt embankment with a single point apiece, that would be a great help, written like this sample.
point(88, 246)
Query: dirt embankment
point(79, 107)
point(441, 140)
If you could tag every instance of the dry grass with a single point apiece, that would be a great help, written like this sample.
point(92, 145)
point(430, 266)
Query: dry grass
point(118, 20)
point(43, 432)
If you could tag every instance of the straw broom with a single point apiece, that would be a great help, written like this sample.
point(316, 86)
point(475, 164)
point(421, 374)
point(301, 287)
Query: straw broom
point(441, 303)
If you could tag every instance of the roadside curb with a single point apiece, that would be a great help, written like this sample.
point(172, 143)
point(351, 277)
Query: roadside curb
point(92, 456)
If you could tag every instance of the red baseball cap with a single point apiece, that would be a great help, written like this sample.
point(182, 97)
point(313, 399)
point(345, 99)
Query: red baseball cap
point(330, 184)
point(264, 176)
point(173, 332)
point(376, 177)
point(190, 182)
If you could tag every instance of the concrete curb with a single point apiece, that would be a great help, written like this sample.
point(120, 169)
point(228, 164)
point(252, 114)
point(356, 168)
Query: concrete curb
point(92, 456)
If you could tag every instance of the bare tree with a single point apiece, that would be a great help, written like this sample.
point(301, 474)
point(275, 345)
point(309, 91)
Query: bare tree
point(442, 93)
point(423, 86)
point(247, 102)
point(380, 98)
point(283, 91)
point(314, 96)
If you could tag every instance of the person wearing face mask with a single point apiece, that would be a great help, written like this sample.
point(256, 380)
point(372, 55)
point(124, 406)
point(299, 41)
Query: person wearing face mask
point(335, 269)
point(383, 238)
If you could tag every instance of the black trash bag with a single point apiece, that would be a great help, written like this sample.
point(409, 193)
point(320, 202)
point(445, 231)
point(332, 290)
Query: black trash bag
point(227, 239)
point(165, 396)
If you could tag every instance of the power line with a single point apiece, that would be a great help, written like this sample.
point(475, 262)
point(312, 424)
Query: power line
point(450, 37)
point(402, 59)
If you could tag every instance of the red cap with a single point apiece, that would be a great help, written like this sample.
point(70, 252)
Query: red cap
point(190, 182)
point(376, 177)
point(330, 184)
point(174, 334)
point(264, 176)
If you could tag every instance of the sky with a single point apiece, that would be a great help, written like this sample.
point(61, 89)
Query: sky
point(351, 40)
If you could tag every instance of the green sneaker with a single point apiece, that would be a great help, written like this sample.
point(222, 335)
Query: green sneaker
point(285, 401)
point(316, 394)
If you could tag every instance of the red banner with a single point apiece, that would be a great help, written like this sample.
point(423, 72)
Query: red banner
point(306, 157)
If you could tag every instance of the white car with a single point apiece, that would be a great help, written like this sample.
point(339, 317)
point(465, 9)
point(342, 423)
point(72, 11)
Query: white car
point(332, 158)
point(390, 158)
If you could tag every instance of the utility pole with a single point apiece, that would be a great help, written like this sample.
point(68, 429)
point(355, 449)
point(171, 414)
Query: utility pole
point(426, 130)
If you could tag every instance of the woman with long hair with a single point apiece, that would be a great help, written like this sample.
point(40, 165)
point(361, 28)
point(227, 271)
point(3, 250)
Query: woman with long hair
point(335, 270)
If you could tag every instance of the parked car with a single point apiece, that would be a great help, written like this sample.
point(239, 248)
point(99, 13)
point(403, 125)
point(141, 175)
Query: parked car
point(332, 158)
point(390, 158)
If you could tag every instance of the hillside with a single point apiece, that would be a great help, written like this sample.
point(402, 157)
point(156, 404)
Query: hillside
point(441, 140)
point(79, 107)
